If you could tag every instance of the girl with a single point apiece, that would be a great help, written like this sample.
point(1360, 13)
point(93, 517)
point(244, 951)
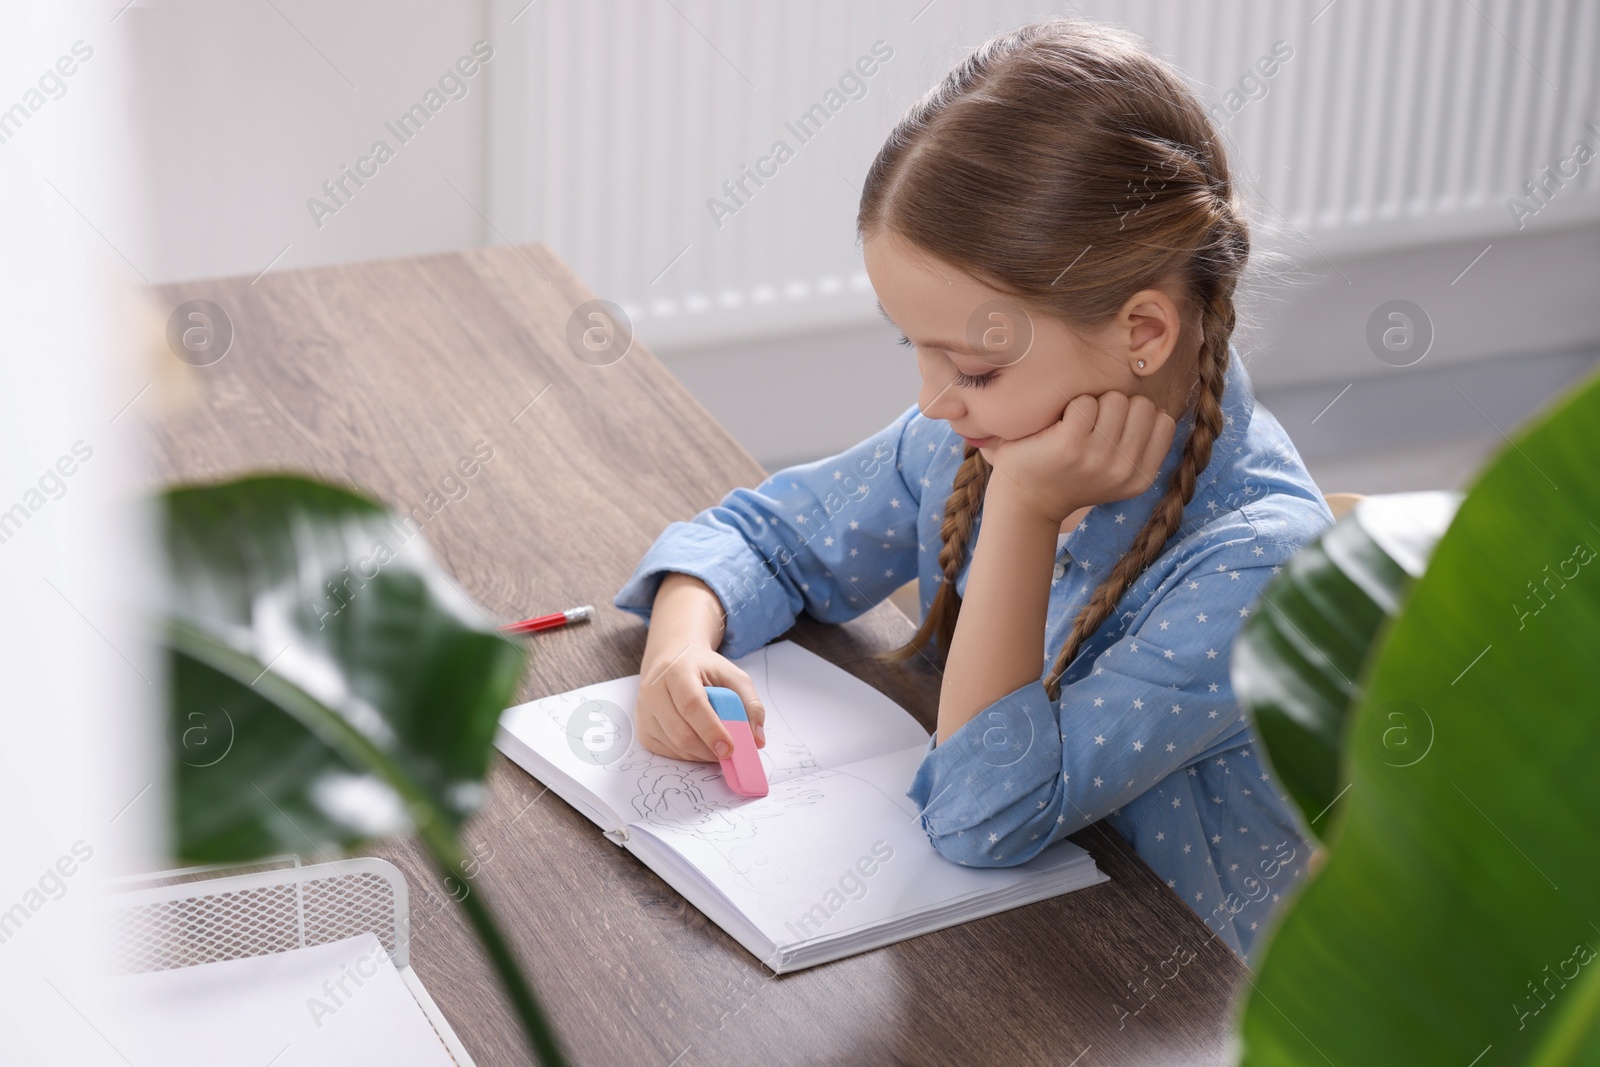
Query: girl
point(1085, 477)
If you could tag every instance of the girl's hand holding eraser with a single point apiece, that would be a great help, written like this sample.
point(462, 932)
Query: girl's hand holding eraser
point(674, 715)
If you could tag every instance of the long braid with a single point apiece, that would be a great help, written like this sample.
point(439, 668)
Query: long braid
point(955, 532)
point(1216, 327)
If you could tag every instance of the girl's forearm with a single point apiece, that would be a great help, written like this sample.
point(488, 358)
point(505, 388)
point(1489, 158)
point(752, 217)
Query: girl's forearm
point(998, 644)
point(685, 609)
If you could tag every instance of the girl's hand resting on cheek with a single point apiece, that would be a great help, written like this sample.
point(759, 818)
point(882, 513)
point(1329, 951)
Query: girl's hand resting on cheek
point(674, 716)
point(1102, 449)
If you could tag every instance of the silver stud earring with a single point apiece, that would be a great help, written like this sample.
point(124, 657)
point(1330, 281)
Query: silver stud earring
point(1141, 363)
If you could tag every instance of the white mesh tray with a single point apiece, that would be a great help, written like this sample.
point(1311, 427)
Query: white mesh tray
point(204, 914)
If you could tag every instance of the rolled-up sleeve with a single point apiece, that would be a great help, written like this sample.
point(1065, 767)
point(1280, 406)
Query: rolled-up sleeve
point(1024, 771)
point(831, 538)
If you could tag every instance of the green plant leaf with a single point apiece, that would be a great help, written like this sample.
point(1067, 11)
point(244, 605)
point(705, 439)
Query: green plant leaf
point(1296, 666)
point(1454, 919)
point(330, 683)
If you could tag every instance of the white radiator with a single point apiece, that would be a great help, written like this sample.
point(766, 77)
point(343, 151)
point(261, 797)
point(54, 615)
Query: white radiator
point(641, 146)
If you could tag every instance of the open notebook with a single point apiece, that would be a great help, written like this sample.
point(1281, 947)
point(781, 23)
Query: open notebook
point(831, 862)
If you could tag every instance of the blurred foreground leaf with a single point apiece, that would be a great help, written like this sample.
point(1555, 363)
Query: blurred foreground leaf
point(1454, 920)
point(330, 686)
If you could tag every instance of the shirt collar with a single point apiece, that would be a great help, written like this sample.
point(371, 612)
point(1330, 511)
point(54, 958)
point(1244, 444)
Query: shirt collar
point(1108, 530)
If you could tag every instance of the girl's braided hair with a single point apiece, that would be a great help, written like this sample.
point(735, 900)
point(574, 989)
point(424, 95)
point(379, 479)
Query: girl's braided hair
point(1067, 142)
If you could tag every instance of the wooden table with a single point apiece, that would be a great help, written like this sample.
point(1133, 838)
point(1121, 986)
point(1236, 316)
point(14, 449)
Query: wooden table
point(384, 374)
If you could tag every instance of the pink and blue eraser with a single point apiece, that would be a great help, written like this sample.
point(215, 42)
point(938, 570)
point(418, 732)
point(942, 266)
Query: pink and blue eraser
point(742, 770)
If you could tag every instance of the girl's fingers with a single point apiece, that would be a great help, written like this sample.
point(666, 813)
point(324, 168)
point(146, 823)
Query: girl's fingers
point(1136, 430)
point(1113, 415)
point(1162, 428)
point(1135, 443)
point(689, 697)
point(671, 737)
point(733, 678)
point(1081, 413)
point(1107, 450)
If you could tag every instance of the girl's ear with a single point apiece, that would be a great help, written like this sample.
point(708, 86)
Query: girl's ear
point(1147, 329)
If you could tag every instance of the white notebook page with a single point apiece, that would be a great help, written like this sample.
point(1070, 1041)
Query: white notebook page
point(818, 716)
point(836, 850)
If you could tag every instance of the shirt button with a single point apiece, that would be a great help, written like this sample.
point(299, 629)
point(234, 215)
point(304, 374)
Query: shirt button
point(1061, 568)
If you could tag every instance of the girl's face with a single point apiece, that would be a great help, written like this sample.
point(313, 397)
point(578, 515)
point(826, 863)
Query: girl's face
point(992, 370)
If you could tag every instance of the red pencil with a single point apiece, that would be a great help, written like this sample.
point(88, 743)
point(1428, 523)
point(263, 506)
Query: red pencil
point(549, 622)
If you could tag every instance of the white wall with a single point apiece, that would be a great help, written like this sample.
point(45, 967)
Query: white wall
point(249, 108)
point(246, 109)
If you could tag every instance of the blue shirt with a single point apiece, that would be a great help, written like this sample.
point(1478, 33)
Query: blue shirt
point(1146, 733)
